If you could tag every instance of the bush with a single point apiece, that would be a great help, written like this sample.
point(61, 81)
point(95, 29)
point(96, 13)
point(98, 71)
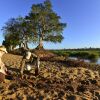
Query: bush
point(84, 55)
point(61, 53)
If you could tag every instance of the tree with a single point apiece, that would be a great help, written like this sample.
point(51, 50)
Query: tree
point(10, 34)
point(17, 32)
point(10, 42)
point(24, 30)
point(45, 23)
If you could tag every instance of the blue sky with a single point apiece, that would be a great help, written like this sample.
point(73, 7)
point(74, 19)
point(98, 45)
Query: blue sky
point(82, 18)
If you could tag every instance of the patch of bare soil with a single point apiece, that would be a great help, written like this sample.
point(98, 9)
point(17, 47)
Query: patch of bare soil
point(56, 81)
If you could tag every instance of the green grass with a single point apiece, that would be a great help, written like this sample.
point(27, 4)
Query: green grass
point(85, 54)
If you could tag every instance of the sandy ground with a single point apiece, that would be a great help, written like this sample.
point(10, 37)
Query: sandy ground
point(56, 81)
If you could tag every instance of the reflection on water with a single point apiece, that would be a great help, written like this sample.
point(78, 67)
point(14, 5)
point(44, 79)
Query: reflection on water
point(73, 58)
point(97, 61)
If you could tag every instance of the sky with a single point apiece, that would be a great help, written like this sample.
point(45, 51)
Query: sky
point(82, 18)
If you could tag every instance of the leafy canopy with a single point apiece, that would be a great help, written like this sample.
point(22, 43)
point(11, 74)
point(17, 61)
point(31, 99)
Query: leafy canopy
point(45, 22)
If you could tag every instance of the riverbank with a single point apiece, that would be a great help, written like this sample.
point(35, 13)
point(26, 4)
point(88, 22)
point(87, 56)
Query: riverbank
point(91, 55)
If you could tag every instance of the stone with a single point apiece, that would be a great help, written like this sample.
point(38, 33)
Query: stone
point(81, 88)
point(97, 94)
point(73, 97)
point(70, 88)
point(88, 94)
point(2, 77)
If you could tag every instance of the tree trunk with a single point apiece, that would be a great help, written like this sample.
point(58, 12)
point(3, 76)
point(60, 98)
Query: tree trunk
point(11, 48)
point(26, 45)
point(37, 69)
point(40, 46)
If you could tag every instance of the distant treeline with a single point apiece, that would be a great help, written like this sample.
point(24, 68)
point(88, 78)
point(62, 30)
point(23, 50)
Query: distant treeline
point(78, 49)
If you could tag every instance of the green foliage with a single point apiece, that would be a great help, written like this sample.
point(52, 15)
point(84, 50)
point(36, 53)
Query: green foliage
point(54, 39)
point(45, 22)
point(10, 34)
point(84, 55)
point(60, 53)
point(41, 24)
point(11, 39)
point(16, 32)
point(91, 55)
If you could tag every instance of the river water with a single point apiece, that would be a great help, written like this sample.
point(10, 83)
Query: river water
point(86, 60)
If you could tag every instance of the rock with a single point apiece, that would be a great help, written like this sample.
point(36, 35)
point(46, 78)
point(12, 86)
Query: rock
point(85, 98)
point(73, 97)
point(97, 94)
point(95, 98)
point(96, 74)
point(85, 82)
point(93, 81)
point(69, 88)
point(81, 88)
point(36, 72)
point(88, 95)
point(2, 77)
point(1, 88)
point(13, 86)
point(9, 77)
point(7, 81)
point(0, 97)
point(61, 94)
